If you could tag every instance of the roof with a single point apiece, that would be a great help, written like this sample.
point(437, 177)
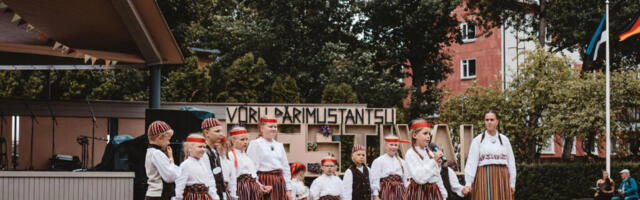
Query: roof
point(133, 32)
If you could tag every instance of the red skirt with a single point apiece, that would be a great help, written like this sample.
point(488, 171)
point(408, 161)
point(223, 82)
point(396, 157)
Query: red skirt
point(391, 188)
point(329, 197)
point(276, 181)
point(425, 191)
point(491, 183)
point(196, 192)
point(248, 188)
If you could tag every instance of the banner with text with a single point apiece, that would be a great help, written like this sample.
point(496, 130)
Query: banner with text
point(312, 115)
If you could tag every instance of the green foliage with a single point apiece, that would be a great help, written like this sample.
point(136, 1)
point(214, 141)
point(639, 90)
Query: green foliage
point(188, 83)
point(341, 93)
point(417, 32)
point(244, 78)
point(285, 91)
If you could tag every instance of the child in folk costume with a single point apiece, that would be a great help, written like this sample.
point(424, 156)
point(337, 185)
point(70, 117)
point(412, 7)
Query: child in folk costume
point(194, 177)
point(271, 159)
point(245, 173)
point(158, 163)
point(450, 179)
point(212, 131)
point(327, 186)
point(357, 179)
point(490, 172)
point(228, 169)
point(299, 191)
point(389, 172)
point(423, 165)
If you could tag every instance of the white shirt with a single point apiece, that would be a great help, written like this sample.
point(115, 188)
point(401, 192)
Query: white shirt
point(228, 173)
point(325, 185)
point(347, 182)
point(299, 190)
point(454, 183)
point(245, 164)
point(425, 170)
point(158, 168)
point(192, 172)
point(270, 156)
point(384, 166)
point(490, 152)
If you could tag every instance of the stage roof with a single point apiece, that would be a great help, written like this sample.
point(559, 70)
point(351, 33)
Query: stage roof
point(132, 32)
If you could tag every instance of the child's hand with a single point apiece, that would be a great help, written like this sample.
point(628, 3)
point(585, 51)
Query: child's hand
point(169, 152)
point(265, 188)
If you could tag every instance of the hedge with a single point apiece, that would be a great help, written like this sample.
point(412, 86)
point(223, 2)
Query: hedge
point(563, 181)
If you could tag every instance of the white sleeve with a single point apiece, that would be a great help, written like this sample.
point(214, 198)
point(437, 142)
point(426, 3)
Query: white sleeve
point(181, 181)
point(286, 172)
point(511, 163)
point(375, 177)
point(253, 151)
point(472, 162)
point(455, 184)
point(418, 170)
point(347, 181)
point(314, 191)
point(405, 179)
point(441, 187)
point(371, 182)
point(233, 182)
point(168, 171)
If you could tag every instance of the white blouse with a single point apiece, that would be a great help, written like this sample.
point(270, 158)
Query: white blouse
point(270, 156)
point(245, 164)
point(158, 168)
point(299, 190)
point(228, 173)
point(425, 170)
point(490, 152)
point(347, 182)
point(193, 172)
point(384, 166)
point(455, 184)
point(326, 185)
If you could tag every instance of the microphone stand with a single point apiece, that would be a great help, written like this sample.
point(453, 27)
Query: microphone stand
point(33, 118)
point(54, 123)
point(93, 132)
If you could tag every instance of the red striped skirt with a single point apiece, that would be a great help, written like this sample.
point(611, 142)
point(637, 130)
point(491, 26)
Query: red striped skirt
point(425, 191)
point(391, 188)
point(276, 181)
point(196, 192)
point(248, 188)
point(329, 197)
point(491, 183)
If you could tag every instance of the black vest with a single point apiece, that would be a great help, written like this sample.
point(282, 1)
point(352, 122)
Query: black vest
point(361, 188)
point(214, 161)
point(444, 173)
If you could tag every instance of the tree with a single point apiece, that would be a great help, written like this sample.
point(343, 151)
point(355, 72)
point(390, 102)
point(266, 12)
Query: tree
point(560, 19)
point(285, 91)
point(341, 93)
point(244, 78)
point(416, 32)
point(188, 83)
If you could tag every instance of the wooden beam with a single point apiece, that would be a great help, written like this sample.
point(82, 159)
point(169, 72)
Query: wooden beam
point(138, 31)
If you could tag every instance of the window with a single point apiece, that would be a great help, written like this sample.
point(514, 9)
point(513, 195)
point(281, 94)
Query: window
point(468, 32)
point(468, 69)
point(549, 147)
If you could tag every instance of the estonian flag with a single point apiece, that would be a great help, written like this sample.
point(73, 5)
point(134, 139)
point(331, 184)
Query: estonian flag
point(632, 29)
point(601, 35)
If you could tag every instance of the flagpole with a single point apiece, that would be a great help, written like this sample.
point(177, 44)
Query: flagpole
point(608, 93)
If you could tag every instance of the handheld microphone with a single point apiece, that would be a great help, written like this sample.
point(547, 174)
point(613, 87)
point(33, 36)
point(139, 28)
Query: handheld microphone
point(434, 148)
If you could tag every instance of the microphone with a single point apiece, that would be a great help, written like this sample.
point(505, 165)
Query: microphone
point(434, 148)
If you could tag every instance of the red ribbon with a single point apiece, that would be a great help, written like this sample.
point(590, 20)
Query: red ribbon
point(420, 125)
point(328, 160)
point(195, 139)
point(397, 140)
point(267, 120)
point(238, 132)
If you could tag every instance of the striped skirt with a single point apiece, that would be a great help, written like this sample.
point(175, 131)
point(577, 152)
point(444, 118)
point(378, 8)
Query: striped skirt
point(491, 183)
point(196, 192)
point(248, 188)
point(427, 191)
point(276, 181)
point(391, 188)
point(329, 197)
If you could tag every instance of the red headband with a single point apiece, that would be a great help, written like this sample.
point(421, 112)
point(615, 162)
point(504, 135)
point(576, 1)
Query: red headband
point(397, 140)
point(420, 125)
point(223, 140)
point(267, 120)
point(195, 139)
point(295, 166)
point(328, 160)
point(238, 132)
